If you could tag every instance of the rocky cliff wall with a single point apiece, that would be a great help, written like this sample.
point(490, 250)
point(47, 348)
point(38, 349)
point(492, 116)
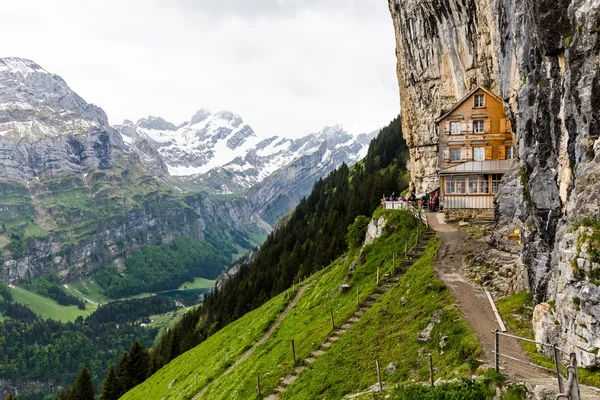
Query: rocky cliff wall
point(542, 58)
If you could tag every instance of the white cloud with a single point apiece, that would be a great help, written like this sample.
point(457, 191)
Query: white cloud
point(288, 68)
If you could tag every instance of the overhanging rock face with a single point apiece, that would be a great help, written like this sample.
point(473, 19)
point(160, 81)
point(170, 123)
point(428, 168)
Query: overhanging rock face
point(541, 57)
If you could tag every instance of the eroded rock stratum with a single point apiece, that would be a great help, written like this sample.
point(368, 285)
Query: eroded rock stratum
point(542, 58)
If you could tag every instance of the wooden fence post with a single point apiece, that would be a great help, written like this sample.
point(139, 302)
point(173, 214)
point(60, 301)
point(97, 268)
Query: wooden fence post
point(393, 260)
point(379, 376)
point(557, 364)
point(331, 314)
point(377, 276)
point(496, 348)
point(357, 304)
point(293, 352)
point(258, 384)
point(406, 248)
point(431, 370)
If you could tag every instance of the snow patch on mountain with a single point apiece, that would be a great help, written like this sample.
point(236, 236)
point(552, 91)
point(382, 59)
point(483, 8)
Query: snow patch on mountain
point(219, 151)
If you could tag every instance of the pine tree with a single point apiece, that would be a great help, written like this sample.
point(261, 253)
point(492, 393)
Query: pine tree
point(137, 364)
point(83, 389)
point(123, 381)
point(10, 395)
point(110, 387)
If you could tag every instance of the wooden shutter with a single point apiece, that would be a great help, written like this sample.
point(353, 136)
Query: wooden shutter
point(487, 126)
point(447, 155)
point(502, 152)
point(464, 127)
point(470, 126)
point(502, 125)
point(488, 152)
point(447, 128)
point(464, 154)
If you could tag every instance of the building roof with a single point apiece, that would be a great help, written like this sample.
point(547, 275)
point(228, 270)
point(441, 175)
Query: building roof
point(455, 106)
point(479, 167)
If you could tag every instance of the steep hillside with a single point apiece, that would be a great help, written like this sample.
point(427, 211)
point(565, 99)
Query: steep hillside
point(311, 237)
point(541, 57)
point(73, 196)
point(387, 330)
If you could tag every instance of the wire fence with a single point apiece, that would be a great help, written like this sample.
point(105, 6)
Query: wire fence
point(565, 363)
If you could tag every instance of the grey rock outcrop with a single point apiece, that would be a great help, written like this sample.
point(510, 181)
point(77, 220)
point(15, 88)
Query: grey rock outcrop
point(542, 58)
point(375, 229)
point(46, 129)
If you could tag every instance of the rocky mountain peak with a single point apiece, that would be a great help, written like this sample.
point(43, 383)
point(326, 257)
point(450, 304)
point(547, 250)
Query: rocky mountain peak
point(16, 65)
point(31, 95)
point(156, 123)
point(201, 115)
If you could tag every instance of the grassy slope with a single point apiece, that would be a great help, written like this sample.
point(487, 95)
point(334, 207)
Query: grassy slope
point(89, 289)
point(386, 328)
point(388, 332)
point(198, 283)
point(193, 370)
point(309, 323)
point(48, 308)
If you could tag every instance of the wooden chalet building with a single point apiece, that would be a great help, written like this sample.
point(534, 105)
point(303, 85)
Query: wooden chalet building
point(476, 148)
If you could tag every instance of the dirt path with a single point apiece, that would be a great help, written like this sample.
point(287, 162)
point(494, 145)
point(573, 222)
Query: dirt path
point(261, 341)
point(473, 303)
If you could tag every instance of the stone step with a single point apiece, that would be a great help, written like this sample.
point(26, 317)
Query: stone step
point(300, 370)
point(353, 319)
point(288, 380)
point(369, 303)
point(309, 360)
point(334, 338)
point(339, 332)
point(326, 345)
point(317, 353)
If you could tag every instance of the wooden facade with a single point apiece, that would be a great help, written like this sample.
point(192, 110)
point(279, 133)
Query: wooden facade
point(476, 147)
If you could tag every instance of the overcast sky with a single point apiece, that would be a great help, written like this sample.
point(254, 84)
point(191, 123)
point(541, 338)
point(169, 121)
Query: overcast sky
point(287, 67)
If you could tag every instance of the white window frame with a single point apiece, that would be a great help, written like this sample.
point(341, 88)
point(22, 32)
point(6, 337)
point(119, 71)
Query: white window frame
point(510, 152)
point(479, 153)
point(455, 124)
point(476, 97)
point(479, 123)
point(456, 150)
point(456, 185)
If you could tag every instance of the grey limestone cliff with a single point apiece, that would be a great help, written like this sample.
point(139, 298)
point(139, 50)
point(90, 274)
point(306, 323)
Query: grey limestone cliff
point(541, 57)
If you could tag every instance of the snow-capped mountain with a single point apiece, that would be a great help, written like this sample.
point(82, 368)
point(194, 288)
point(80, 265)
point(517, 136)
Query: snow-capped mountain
point(219, 151)
point(46, 129)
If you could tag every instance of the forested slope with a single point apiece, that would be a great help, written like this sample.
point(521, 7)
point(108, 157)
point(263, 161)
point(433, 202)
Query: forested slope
point(313, 236)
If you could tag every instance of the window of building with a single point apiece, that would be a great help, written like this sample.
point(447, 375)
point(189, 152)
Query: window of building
point(510, 152)
point(456, 184)
point(478, 153)
point(479, 101)
point(455, 128)
point(478, 126)
point(478, 184)
point(496, 178)
point(455, 154)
